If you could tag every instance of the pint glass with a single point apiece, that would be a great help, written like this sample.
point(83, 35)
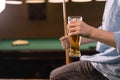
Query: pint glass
point(74, 40)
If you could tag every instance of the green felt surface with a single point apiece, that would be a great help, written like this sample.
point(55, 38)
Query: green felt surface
point(39, 44)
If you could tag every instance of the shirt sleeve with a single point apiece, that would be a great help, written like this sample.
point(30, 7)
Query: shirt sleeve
point(117, 40)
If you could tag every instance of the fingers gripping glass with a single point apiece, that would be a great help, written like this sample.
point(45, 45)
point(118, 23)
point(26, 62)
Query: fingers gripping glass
point(74, 40)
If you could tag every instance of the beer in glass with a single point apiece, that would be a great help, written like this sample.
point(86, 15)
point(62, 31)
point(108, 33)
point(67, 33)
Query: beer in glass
point(74, 40)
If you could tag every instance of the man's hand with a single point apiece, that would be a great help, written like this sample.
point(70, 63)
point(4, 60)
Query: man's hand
point(65, 42)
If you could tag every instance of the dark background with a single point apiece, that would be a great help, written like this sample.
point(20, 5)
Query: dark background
point(46, 19)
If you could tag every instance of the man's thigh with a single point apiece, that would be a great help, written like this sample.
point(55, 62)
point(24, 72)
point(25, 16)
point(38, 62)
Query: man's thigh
point(79, 70)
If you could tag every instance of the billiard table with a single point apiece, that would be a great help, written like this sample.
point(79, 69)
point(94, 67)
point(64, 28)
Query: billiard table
point(39, 44)
point(43, 48)
point(36, 59)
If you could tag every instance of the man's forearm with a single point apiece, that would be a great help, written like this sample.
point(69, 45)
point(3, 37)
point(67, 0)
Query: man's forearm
point(103, 36)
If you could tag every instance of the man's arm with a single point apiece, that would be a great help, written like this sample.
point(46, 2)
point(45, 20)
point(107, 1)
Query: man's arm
point(85, 30)
point(103, 36)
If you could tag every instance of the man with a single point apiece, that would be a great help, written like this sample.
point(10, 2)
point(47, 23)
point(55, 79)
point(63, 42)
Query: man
point(102, 66)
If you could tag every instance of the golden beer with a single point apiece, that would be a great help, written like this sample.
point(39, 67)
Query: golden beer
point(74, 40)
point(74, 46)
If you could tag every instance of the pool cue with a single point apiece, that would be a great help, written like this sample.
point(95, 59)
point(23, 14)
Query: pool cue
point(65, 31)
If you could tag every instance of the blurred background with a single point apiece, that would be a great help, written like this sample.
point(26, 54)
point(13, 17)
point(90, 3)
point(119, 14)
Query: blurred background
point(44, 18)
point(41, 23)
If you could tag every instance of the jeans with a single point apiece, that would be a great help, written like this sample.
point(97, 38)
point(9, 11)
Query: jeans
point(79, 70)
